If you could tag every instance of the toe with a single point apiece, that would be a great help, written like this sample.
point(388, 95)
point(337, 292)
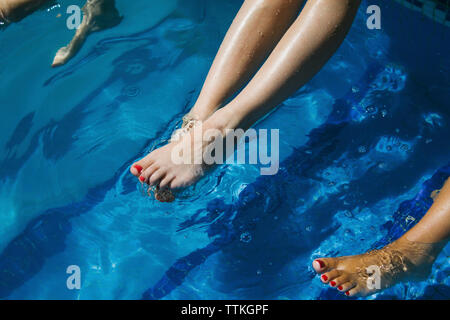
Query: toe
point(338, 281)
point(138, 167)
point(166, 181)
point(324, 264)
point(157, 176)
point(329, 276)
point(352, 292)
point(346, 286)
point(175, 184)
point(147, 173)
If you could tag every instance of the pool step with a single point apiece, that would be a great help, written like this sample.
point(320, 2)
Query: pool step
point(438, 10)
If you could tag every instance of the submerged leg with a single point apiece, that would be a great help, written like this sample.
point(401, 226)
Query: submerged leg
point(408, 258)
point(98, 15)
point(16, 10)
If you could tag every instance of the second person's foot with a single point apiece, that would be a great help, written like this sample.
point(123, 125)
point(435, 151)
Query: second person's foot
point(357, 275)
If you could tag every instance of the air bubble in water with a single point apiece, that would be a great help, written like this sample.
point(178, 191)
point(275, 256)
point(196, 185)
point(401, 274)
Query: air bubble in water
point(371, 109)
point(362, 149)
point(246, 237)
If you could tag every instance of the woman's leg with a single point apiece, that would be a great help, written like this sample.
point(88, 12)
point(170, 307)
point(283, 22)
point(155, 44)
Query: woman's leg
point(16, 10)
point(301, 53)
point(255, 31)
point(306, 46)
point(409, 257)
point(97, 15)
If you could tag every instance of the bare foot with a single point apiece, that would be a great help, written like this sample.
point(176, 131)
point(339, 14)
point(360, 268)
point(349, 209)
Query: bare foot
point(371, 272)
point(97, 15)
point(181, 162)
point(160, 188)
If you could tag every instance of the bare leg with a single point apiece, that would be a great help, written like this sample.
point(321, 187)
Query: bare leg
point(303, 50)
point(98, 15)
point(16, 10)
point(255, 31)
point(301, 53)
point(409, 257)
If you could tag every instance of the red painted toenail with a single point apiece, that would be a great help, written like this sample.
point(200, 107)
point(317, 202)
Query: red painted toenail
point(347, 293)
point(142, 178)
point(321, 264)
point(324, 277)
point(333, 283)
point(340, 288)
point(138, 168)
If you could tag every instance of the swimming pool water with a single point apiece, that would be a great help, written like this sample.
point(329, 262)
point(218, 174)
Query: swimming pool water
point(362, 145)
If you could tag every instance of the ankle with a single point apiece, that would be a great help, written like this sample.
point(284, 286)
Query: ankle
point(223, 120)
point(418, 253)
point(203, 110)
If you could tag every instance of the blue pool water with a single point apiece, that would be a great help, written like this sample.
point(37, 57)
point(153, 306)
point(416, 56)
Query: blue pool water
point(363, 144)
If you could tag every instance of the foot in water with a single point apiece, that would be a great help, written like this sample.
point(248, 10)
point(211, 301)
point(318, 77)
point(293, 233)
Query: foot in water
point(161, 187)
point(399, 261)
point(97, 15)
point(188, 146)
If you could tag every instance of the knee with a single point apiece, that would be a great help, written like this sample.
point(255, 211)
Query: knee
point(3, 15)
point(5, 10)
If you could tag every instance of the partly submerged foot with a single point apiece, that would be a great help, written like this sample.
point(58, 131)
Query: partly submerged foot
point(181, 162)
point(371, 272)
point(97, 15)
point(159, 180)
